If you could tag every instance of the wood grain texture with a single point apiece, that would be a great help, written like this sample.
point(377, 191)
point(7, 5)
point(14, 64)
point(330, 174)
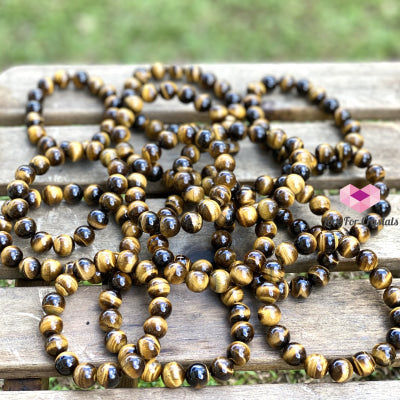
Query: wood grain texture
point(386, 244)
point(251, 160)
point(368, 90)
point(384, 390)
point(345, 317)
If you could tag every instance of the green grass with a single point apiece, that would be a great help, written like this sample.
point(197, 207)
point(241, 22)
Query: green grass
point(125, 31)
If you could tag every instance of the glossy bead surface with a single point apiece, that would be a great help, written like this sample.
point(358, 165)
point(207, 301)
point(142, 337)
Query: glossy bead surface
point(222, 369)
point(56, 344)
point(53, 303)
point(393, 337)
point(300, 287)
point(173, 375)
point(242, 331)
point(294, 354)
point(63, 245)
point(66, 284)
point(316, 366)
point(41, 242)
point(85, 375)
point(384, 354)
point(29, 268)
point(197, 375)
point(391, 296)
point(380, 278)
point(269, 315)
point(239, 352)
point(66, 363)
point(363, 363)
point(340, 370)
point(11, 256)
point(114, 340)
point(108, 375)
point(278, 337)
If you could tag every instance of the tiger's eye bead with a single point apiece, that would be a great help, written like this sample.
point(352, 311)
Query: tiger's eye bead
point(382, 208)
point(393, 337)
point(380, 278)
point(84, 269)
point(56, 156)
point(197, 281)
point(85, 375)
point(224, 257)
point(349, 247)
point(327, 242)
point(97, 219)
point(192, 222)
point(56, 344)
point(169, 226)
point(269, 315)
point(375, 173)
point(286, 253)
point(283, 218)
point(155, 326)
point(53, 303)
point(221, 238)
point(50, 325)
point(15, 208)
point(219, 281)
point(265, 245)
point(284, 196)
point(305, 243)
point(340, 370)
point(5, 240)
point(145, 271)
point(239, 353)
point(148, 347)
point(384, 354)
point(29, 267)
point(115, 340)
point(11, 256)
point(110, 202)
point(209, 210)
point(63, 245)
point(246, 216)
point(266, 228)
point(52, 195)
point(267, 292)
point(222, 369)
point(319, 205)
point(84, 236)
point(110, 320)
point(127, 261)
point(316, 366)
point(272, 271)
point(50, 270)
point(152, 370)
point(294, 354)
point(5, 225)
point(328, 260)
point(158, 287)
point(108, 375)
point(395, 316)
point(173, 375)
point(264, 185)
point(360, 232)
point(72, 193)
point(318, 275)
point(105, 261)
point(254, 259)
point(66, 363)
point(232, 295)
point(332, 220)
point(217, 113)
point(242, 331)
point(239, 312)
point(109, 299)
point(278, 337)
point(197, 375)
point(17, 189)
point(300, 287)
point(240, 274)
point(175, 273)
point(363, 363)
point(160, 307)
point(374, 222)
point(66, 284)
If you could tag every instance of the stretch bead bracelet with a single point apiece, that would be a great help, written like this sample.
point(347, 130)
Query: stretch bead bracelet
point(219, 198)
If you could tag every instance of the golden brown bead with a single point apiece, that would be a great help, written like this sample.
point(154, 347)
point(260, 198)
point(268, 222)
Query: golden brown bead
point(384, 354)
point(391, 296)
point(63, 245)
point(197, 281)
point(145, 271)
point(52, 195)
point(318, 275)
point(50, 325)
point(50, 270)
point(148, 347)
point(300, 287)
point(160, 307)
point(110, 320)
point(109, 299)
point(29, 267)
point(199, 265)
point(239, 312)
point(269, 314)
point(85, 375)
point(363, 363)
point(349, 247)
point(219, 281)
point(375, 173)
point(175, 273)
point(173, 375)
point(316, 366)
point(278, 337)
point(222, 369)
point(247, 216)
point(340, 370)
point(105, 261)
point(108, 375)
point(267, 292)
point(319, 205)
point(66, 284)
point(286, 253)
point(56, 344)
point(294, 354)
point(66, 363)
point(209, 210)
point(239, 353)
point(380, 278)
point(240, 274)
point(284, 197)
point(232, 295)
point(84, 269)
point(327, 241)
point(115, 340)
point(155, 326)
point(158, 287)
point(53, 303)
point(127, 261)
point(272, 271)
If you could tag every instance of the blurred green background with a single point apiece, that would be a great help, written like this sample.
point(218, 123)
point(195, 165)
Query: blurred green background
point(128, 31)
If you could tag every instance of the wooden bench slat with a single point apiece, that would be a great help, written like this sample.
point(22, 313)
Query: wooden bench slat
point(351, 390)
point(368, 90)
point(345, 317)
point(386, 244)
point(251, 161)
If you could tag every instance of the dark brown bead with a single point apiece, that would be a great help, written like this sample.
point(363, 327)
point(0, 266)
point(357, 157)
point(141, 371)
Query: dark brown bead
point(84, 236)
point(66, 363)
point(50, 325)
point(11, 256)
point(97, 219)
point(110, 320)
point(56, 344)
point(318, 275)
point(380, 278)
point(5, 240)
point(300, 287)
point(72, 193)
point(266, 228)
point(375, 173)
point(327, 241)
point(328, 260)
point(197, 375)
point(393, 337)
point(56, 156)
point(340, 370)
point(222, 369)
point(108, 375)
point(85, 375)
point(305, 243)
point(15, 208)
point(349, 247)
point(391, 296)
point(239, 353)
point(160, 307)
point(110, 202)
point(155, 326)
point(395, 316)
point(53, 304)
point(29, 267)
point(278, 337)
point(254, 259)
point(332, 220)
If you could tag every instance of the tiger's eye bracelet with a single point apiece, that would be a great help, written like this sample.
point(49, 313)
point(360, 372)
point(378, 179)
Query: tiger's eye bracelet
point(290, 183)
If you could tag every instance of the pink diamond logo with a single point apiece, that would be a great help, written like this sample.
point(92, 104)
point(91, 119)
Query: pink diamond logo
point(359, 199)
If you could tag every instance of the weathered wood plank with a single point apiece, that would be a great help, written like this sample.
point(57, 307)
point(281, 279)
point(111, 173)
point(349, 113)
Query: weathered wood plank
point(386, 244)
point(369, 90)
point(353, 390)
point(379, 138)
point(198, 327)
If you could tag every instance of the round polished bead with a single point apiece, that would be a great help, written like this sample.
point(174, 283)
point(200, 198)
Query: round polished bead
point(11, 256)
point(160, 307)
point(72, 193)
point(240, 274)
point(197, 281)
point(222, 368)
point(278, 337)
point(148, 346)
point(239, 352)
point(393, 337)
point(327, 241)
point(209, 210)
point(318, 275)
point(155, 326)
point(25, 227)
point(349, 247)
point(191, 222)
point(232, 295)
point(242, 331)
point(15, 208)
point(367, 260)
point(110, 320)
point(66, 363)
point(286, 253)
point(84, 269)
point(53, 303)
point(63, 245)
point(66, 284)
point(300, 287)
point(85, 375)
point(50, 270)
point(305, 243)
point(380, 278)
point(268, 292)
point(105, 261)
point(332, 220)
point(114, 340)
point(127, 261)
point(316, 366)
point(269, 314)
point(391, 296)
point(109, 299)
point(145, 271)
point(363, 363)
point(246, 216)
point(108, 375)
point(121, 281)
point(340, 370)
point(29, 267)
point(384, 354)
point(294, 354)
point(395, 316)
point(56, 344)
point(219, 281)
point(173, 375)
point(197, 375)
point(52, 195)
